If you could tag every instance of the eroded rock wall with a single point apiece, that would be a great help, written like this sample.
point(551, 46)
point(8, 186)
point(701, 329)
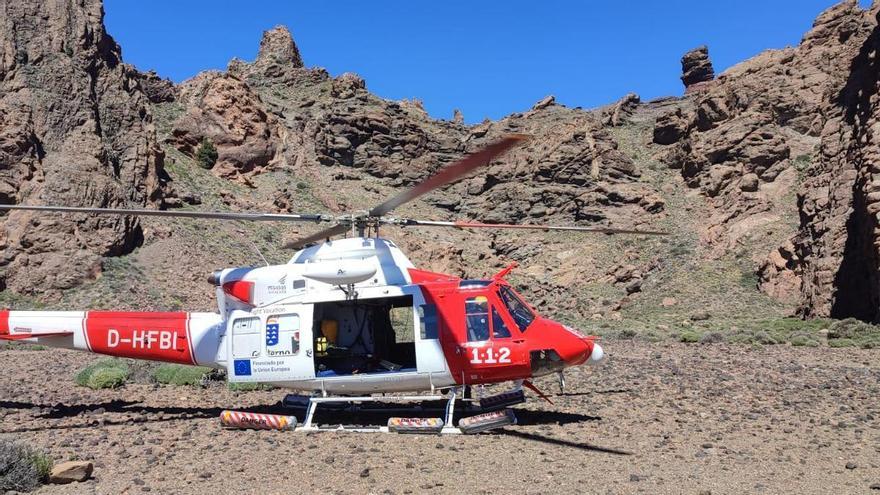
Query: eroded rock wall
point(837, 249)
point(76, 129)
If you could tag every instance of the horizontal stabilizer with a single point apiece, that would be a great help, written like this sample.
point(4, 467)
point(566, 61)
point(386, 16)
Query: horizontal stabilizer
point(23, 336)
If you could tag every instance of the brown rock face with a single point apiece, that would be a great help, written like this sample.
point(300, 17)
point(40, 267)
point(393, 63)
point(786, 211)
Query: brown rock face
point(838, 243)
point(696, 67)
point(278, 48)
point(620, 112)
point(75, 129)
point(223, 110)
point(571, 169)
point(759, 117)
point(347, 85)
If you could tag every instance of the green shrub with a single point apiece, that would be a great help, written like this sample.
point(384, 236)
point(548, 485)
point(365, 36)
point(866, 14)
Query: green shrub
point(178, 374)
point(763, 338)
point(853, 332)
point(107, 378)
point(206, 154)
point(22, 469)
point(689, 336)
point(713, 338)
point(841, 343)
point(802, 340)
point(249, 386)
point(850, 328)
point(107, 373)
point(43, 464)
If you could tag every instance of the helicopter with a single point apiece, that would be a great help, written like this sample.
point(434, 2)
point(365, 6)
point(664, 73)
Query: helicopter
point(345, 318)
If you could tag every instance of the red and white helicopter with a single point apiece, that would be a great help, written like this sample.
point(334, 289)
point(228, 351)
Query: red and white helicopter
point(346, 318)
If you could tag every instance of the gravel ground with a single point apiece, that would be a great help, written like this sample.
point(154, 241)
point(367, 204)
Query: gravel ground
point(656, 418)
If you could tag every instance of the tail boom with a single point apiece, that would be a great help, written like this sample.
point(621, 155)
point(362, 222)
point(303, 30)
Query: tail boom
point(184, 338)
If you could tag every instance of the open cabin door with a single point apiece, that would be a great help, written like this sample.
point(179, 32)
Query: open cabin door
point(270, 345)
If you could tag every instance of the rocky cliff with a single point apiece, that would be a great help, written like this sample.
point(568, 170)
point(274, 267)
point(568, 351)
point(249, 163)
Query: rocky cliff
point(75, 129)
point(753, 134)
point(763, 175)
point(835, 252)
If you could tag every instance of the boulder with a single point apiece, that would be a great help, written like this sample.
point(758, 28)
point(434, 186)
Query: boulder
point(223, 110)
point(71, 471)
point(545, 102)
point(749, 183)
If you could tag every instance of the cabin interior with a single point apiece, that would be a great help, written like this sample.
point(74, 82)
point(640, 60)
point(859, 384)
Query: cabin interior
point(364, 336)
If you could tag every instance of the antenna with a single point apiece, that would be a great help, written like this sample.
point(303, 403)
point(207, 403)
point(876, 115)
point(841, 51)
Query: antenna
point(253, 245)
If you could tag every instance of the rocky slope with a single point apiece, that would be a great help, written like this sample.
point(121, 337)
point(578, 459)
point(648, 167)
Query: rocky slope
point(75, 128)
point(750, 133)
point(754, 174)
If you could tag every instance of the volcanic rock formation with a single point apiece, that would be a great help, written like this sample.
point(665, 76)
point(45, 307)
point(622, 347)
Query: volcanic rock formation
point(75, 128)
point(836, 252)
point(772, 162)
point(696, 67)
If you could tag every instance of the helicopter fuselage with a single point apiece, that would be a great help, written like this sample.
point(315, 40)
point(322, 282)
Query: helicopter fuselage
point(349, 316)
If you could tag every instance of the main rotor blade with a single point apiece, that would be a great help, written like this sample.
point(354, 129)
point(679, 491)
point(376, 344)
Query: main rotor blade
point(450, 173)
point(212, 215)
point(460, 224)
point(319, 236)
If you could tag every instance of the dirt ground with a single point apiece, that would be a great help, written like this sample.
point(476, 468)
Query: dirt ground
point(656, 418)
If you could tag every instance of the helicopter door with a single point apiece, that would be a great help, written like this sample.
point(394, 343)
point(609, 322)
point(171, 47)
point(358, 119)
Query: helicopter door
point(273, 346)
point(493, 349)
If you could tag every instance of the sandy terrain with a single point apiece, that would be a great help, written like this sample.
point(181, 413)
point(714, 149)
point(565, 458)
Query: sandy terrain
point(656, 418)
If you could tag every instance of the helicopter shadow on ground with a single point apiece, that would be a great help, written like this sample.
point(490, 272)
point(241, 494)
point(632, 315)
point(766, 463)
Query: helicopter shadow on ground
point(561, 442)
point(595, 392)
point(142, 413)
point(528, 417)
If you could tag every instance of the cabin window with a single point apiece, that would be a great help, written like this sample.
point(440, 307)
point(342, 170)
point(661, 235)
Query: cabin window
point(282, 335)
point(402, 323)
point(522, 315)
point(246, 338)
point(428, 321)
point(499, 329)
point(476, 311)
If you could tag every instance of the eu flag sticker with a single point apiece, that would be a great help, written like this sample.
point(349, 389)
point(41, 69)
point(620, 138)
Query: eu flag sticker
point(272, 330)
point(242, 367)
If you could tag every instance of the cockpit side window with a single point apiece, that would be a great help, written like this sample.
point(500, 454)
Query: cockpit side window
point(522, 315)
point(499, 329)
point(476, 311)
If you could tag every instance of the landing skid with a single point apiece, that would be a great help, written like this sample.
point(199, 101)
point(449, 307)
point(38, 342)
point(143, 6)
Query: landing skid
point(359, 404)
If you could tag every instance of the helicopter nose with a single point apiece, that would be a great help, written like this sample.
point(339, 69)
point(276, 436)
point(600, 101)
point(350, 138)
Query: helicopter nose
point(596, 355)
point(591, 353)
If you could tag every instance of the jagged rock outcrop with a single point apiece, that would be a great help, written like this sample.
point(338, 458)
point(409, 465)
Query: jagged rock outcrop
point(571, 169)
point(696, 67)
point(620, 112)
point(157, 89)
point(836, 252)
point(222, 109)
point(75, 129)
point(756, 120)
point(347, 86)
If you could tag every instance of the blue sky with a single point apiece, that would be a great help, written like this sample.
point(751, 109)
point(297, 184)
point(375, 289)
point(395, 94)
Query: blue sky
point(486, 58)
